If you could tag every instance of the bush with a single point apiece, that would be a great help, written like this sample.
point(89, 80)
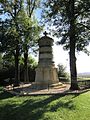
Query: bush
point(6, 75)
point(62, 74)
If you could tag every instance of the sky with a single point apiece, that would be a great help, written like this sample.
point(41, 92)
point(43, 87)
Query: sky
point(62, 57)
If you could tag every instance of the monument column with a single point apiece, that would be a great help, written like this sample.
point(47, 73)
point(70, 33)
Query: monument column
point(46, 73)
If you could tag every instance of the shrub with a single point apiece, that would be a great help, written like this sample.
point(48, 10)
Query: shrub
point(62, 74)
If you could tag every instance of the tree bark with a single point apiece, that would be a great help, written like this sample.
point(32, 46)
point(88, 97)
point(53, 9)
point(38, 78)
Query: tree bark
point(73, 71)
point(26, 66)
point(16, 82)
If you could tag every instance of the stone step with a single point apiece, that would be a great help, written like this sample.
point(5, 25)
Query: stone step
point(38, 86)
point(56, 84)
point(58, 87)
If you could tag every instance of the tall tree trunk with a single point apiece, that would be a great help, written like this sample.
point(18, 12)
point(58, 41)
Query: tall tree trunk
point(26, 66)
point(16, 82)
point(73, 71)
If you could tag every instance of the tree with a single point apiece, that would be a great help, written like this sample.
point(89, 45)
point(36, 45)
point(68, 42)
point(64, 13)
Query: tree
point(62, 70)
point(8, 60)
point(71, 19)
point(22, 33)
point(31, 31)
point(12, 9)
point(31, 6)
point(32, 62)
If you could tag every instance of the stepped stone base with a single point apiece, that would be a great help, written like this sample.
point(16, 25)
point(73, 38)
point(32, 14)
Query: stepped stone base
point(41, 86)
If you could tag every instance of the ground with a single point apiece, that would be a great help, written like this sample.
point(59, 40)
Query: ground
point(74, 106)
point(27, 89)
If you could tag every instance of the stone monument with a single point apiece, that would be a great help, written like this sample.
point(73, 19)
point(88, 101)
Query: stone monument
point(46, 73)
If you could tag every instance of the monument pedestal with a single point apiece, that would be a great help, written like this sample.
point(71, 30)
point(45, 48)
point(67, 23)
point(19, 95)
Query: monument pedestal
point(45, 76)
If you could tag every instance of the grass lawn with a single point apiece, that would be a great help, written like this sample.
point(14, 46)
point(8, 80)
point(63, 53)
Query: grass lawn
point(83, 78)
point(48, 107)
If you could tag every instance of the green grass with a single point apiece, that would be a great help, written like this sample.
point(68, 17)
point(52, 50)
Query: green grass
point(52, 107)
point(83, 78)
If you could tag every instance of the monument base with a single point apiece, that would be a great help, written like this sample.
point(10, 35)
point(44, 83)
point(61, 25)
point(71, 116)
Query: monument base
point(46, 76)
point(41, 86)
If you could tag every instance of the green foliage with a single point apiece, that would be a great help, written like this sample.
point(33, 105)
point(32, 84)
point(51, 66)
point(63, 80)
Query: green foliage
point(1, 61)
point(8, 60)
point(62, 74)
point(1, 89)
point(31, 6)
point(19, 30)
point(58, 14)
point(61, 70)
point(32, 62)
point(52, 107)
point(19, 26)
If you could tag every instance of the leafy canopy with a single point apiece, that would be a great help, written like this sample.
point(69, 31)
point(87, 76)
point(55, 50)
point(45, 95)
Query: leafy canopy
point(57, 14)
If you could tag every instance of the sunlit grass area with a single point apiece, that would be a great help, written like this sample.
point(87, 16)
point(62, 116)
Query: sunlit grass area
point(83, 78)
point(52, 107)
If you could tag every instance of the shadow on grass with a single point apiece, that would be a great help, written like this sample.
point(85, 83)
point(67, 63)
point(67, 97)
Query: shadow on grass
point(5, 95)
point(35, 109)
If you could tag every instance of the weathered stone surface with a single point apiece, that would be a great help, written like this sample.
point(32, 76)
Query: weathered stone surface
point(46, 75)
point(46, 55)
point(47, 41)
point(45, 49)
